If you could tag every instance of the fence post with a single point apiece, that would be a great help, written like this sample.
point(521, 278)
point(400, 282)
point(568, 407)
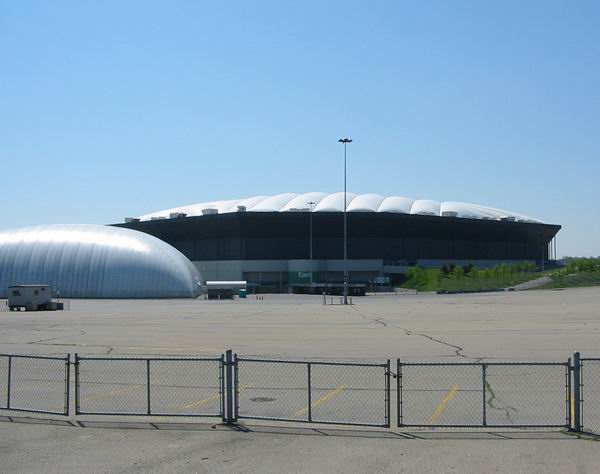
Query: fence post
point(236, 388)
point(77, 407)
point(399, 392)
point(576, 394)
point(483, 371)
point(229, 416)
point(9, 381)
point(308, 365)
point(67, 383)
point(388, 394)
point(148, 385)
point(222, 387)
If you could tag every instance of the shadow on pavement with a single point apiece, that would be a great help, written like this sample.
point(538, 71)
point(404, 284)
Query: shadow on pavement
point(497, 435)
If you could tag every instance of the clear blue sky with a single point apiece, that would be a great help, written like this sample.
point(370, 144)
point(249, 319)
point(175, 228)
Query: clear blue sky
point(118, 108)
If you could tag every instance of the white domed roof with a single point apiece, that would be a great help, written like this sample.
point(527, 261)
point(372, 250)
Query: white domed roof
point(325, 202)
point(94, 261)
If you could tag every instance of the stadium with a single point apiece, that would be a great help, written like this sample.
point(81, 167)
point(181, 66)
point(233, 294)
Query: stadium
point(274, 242)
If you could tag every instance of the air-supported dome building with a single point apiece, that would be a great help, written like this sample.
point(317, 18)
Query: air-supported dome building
point(93, 261)
point(267, 240)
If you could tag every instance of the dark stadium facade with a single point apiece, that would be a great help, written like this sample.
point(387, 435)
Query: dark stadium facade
point(272, 250)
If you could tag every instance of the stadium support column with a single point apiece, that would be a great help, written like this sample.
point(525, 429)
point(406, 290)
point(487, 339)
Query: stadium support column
point(543, 251)
point(345, 141)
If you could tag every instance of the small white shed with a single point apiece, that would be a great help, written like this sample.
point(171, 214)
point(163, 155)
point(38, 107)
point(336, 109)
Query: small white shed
point(30, 297)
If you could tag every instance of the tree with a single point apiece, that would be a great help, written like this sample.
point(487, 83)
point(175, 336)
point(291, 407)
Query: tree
point(458, 272)
point(416, 276)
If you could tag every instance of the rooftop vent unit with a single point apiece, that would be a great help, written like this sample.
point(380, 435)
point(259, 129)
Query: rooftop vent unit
point(241, 208)
point(426, 213)
point(209, 211)
point(177, 215)
point(299, 209)
point(487, 218)
point(507, 218)
point(129, 220)
point(157, 218)
point(449, 214)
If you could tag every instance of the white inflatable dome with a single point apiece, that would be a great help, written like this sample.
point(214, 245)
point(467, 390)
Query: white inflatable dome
point(93, 261)
point(324, 202)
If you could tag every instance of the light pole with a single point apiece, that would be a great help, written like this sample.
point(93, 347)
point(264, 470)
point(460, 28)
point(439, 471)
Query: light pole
point(311, 204)
point(345, 141)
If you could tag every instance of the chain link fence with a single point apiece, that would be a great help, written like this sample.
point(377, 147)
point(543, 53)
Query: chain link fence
point(35, 384)
point(189, 387)
point(453, 394)
point(499, 395)
point(311, 391)
point(590, 394)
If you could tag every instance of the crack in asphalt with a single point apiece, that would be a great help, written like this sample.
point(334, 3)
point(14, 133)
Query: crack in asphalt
point(458, 351)
point(80, 332)
point(492, 401)
point(109, 349)
point(507, 410)
point(241, 316)
point(48, 341)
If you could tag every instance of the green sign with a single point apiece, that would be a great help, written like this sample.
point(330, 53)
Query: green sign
point(299, 277)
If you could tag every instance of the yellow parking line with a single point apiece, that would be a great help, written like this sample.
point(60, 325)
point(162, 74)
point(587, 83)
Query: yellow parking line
point(328, 396)
point(104, 396)
point(199, 403)
point(442, 406)
point(22, 389)
point(203, 401)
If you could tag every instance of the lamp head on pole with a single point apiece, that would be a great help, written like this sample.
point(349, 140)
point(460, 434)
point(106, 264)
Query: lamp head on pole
point(345, 140)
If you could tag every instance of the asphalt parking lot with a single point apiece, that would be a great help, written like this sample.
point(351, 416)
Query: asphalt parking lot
point(536, 326)
point(532, 325)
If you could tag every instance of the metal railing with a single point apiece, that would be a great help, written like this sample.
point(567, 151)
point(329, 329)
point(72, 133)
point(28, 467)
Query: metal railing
point(498, 395)
point(342, 393)
point(37, 384)
point(159, 386)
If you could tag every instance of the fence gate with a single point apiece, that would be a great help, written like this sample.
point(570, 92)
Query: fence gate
point(160, 386)
point(496, 395)
point(37, 384)
point(308, 391)
point(590, 395)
